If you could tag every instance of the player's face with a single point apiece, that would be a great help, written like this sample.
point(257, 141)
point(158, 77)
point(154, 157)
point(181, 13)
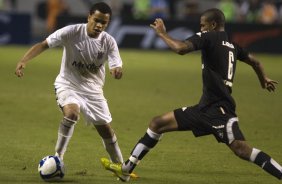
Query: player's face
point(97, 22)
point(205, 25)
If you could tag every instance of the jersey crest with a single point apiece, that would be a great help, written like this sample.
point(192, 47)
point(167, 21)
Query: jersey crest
point(100, 55)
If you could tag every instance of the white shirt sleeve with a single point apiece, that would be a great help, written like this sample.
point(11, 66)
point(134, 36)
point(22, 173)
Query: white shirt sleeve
point(114, 58)
point(59, 37)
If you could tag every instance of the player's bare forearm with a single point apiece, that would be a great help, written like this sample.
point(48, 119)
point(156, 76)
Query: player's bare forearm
point(266, 83)
point(176, 45)
point(34, 51)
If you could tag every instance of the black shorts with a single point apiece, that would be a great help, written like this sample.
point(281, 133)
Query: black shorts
point(216, 120)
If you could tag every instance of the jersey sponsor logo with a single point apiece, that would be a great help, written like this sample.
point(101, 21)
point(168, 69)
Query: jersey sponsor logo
point(91, 66)
point(227, 44)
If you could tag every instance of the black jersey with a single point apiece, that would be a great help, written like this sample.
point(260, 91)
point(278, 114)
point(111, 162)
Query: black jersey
point(219, 57)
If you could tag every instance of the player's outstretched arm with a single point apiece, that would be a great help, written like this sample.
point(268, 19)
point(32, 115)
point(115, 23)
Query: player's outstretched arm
point(34, 51)
point(266, 83)
point(177, 46)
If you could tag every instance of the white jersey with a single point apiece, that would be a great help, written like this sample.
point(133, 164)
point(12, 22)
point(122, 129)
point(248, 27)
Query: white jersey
point(83, 60)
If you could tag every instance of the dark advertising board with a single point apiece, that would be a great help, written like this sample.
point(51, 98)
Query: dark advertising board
point(15, 28)
point(138, 34)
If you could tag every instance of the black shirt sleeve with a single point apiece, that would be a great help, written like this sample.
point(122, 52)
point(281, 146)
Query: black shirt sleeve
point(199, 41)
point(242, 54)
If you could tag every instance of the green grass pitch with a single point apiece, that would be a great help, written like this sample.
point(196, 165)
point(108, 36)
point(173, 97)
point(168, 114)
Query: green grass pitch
point(153, 83)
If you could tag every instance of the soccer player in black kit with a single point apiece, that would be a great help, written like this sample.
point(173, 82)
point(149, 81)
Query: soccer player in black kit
point(215, 113)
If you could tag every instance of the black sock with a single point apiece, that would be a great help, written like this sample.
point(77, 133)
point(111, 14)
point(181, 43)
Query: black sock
point(268, 164)
point(148, 141)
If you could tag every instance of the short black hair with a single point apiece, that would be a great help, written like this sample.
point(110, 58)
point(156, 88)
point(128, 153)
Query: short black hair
point(101, 7)
point(216, 15)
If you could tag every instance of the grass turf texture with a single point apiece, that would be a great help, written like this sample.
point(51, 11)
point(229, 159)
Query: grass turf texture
point(153, 83)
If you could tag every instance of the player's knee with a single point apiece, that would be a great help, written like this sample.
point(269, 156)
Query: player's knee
point(71, 113)
point(156, 124)
point(241, 150)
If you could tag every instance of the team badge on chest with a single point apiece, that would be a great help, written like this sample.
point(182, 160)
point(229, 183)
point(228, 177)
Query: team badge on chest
point(100, 55)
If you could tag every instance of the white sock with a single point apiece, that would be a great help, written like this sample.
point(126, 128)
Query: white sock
point(65, 133)
point(112, 147)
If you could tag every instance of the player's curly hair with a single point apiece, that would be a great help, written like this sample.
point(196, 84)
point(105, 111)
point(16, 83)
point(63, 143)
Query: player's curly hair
point(216, 15)
point(101, 7)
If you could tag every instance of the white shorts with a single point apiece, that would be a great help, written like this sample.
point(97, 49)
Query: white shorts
point(93, 107)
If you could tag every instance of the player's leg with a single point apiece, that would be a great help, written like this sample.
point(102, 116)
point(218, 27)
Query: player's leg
point(110, 142)
point(263, 160)
point(69, 102)
point(96, 111)
point(178, 120)
point(235, 140)
point(66, 128)
point(157, 127)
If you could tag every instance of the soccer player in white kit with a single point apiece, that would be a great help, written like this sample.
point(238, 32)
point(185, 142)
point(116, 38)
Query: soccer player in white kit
point(79, 85)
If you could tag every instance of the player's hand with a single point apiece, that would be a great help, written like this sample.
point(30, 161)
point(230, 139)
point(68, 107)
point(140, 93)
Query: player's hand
point(158, 26)
point(19, 69)
point(270, 84)
point(116, 72)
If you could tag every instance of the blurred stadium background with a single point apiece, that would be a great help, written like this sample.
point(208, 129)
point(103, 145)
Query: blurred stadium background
point(255, 24)
point(154, 82)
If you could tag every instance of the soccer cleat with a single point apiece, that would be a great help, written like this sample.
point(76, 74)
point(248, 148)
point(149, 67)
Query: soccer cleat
point(116, 169)
point(133, 175)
